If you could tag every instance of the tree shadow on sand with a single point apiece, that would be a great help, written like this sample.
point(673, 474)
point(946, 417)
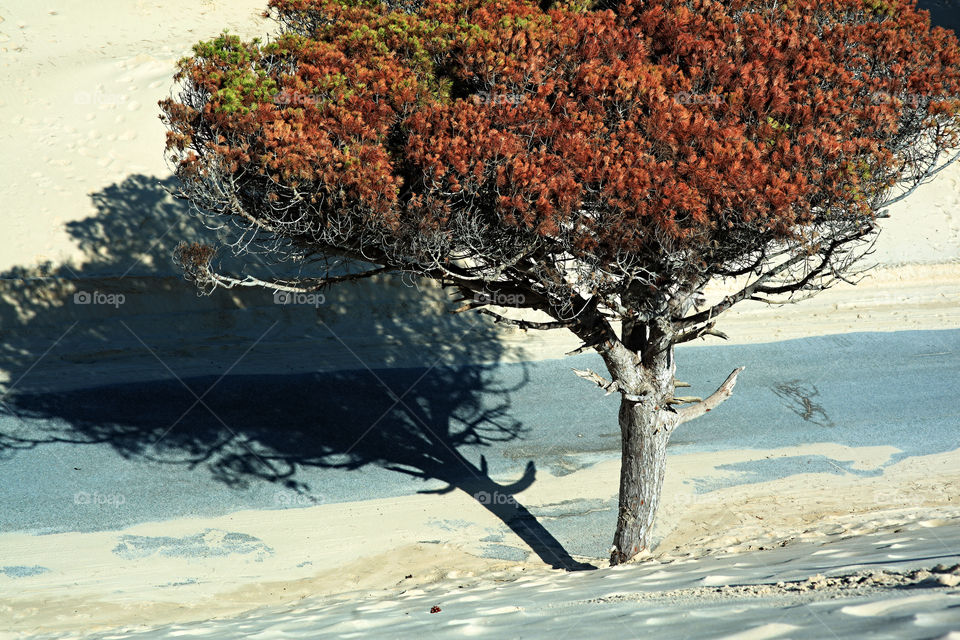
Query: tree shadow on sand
point(76, 370)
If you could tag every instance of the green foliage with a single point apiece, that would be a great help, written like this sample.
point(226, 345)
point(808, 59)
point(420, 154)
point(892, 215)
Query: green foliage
point(777, 125)
point(879, 7)
point(226, 50)
point(861, 169)
point(243, 90)
point(236, 83)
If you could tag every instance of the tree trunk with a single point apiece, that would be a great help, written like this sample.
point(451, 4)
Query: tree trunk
point(642, 369)
point(644, 434)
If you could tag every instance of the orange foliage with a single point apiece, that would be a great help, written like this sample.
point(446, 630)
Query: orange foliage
point(607, 131)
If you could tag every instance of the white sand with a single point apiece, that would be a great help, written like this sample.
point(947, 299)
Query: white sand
point(78, 104)
point(102, 579)
point(840, 586)
point(78, 87)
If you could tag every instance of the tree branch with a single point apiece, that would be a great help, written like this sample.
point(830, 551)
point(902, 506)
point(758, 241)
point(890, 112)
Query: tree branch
point(706, 330)
point(713, 401)
point(924, 179)
point(195, 260)
point(586, 346)
point(609, 387)
point(749, 291)
point(293, 286)
point(524, 324)
point(708, 314)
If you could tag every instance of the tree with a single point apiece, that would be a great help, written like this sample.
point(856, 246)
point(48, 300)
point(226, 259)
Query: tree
point(600, 162)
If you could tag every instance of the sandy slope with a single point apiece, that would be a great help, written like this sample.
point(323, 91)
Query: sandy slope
point(78, 104)
point(78, 88)
point(191, 569)
point(841, 586)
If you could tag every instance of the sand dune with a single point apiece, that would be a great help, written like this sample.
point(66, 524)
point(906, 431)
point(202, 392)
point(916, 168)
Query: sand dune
point(802, 556)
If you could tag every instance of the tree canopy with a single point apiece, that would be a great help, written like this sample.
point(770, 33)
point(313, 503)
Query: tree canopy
point(580, 157)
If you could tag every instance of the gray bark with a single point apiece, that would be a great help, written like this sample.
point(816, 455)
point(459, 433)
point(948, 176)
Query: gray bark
point(643, 366)
point(645, 434)
point(643, 371)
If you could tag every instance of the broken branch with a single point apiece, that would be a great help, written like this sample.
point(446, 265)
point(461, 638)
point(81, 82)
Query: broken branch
point(609, 387)
point(713, 401)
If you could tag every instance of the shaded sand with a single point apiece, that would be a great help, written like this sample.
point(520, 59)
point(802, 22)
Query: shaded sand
point(385, 324)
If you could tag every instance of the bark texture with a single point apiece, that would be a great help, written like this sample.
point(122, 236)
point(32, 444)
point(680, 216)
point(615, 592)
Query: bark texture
point(643, 461)
point(642, 368)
